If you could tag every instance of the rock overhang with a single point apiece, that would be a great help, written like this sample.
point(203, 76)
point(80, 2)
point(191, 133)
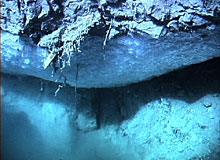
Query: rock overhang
point(124, 60)
point(118, 44)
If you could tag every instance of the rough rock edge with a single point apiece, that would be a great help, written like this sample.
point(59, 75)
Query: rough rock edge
point(39, 19)
point(61, 26)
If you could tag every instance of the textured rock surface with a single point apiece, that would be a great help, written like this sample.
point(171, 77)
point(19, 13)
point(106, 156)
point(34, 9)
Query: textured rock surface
point(107, 43)
point(174, 116)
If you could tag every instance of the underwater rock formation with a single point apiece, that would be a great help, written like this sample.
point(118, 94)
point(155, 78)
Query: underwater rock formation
point(94, 44)
point(174, 116)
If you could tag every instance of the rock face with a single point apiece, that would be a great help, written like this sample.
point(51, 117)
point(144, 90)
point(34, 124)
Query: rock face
point(174, 116)
point(107, 43)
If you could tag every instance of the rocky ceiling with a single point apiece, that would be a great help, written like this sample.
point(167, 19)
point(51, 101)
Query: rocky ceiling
point(107, 43)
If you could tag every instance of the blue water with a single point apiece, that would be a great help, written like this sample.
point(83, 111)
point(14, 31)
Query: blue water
point(176, 116)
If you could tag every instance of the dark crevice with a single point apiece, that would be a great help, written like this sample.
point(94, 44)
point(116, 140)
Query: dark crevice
point(115, 3)
point(160, 22)
point(97, 107)
point(213, 19)
point(94, 6)
point(189, 29)
point(98, 30)
point(123, 18)
point(19, 5)
point(105, 14)
point(50, 6)
point(185, 7)
point(38, 27)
